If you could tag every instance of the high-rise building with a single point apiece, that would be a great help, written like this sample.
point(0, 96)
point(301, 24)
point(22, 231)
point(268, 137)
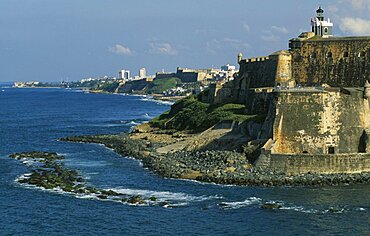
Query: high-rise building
point(124, 74)
point(142, 73)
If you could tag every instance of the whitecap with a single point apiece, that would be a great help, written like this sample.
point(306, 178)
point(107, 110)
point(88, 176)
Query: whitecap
point(299, 209)
point(88, 163)
point(151, 99)
point(134, 123)
point(236, 205)
point(164, 195)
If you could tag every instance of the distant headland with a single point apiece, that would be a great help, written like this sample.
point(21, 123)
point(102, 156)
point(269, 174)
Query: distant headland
point(162, 85)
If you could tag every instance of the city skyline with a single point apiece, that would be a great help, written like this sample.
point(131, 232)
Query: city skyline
point(50, 41)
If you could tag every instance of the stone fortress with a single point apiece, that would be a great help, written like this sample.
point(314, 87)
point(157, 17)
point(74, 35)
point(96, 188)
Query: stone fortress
point(316, 100)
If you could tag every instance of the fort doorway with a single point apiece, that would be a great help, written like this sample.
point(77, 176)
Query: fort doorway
point(331, 150)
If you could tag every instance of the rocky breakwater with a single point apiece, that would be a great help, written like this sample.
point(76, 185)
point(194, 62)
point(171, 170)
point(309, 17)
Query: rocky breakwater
point(121, 144)
point(222, 167)
point(226, 167)
point(48, 172)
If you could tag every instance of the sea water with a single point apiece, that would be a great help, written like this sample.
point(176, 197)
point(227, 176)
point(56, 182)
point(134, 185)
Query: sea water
point(33, 119)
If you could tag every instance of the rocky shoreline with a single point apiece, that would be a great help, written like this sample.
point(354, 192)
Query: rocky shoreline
point(48, 172)
point(221, 167)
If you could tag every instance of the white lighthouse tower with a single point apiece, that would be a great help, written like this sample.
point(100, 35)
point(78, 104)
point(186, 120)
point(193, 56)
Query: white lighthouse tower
point(320, 26)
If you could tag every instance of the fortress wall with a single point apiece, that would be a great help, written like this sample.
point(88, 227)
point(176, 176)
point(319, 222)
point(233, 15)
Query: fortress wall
point(221, 93)
point(319, 122)
point(324, 164)
point(334, 61)
point(258, 72)
point(262, 72)
point(253, 74)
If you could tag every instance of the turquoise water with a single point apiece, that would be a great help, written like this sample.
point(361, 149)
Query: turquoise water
point(33, 119)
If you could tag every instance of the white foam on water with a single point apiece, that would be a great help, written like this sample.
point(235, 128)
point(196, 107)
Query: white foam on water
point(30, 162)
point(164, 195)
point(87, 196)
point(134, 123)
point(151, 99)
point(22, 177)
point(237, 205)
point(299, 209)
point(89, 163)
point(335, 210)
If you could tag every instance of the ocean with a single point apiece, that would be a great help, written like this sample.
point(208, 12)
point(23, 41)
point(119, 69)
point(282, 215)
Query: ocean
point(33, 119)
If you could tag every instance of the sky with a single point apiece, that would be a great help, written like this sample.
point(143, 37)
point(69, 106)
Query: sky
point(46, 40)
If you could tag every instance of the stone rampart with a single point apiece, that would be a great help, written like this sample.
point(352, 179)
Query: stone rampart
point(324, 164)
point(320, 121)
point(342, 61)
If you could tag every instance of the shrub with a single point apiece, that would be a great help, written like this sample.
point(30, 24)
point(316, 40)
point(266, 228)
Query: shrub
point(195, 116)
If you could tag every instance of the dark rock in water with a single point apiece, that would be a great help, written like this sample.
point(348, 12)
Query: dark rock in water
point(136, 200)
point(109, 193)
point(153, 199)
point(163, 204)
point(271, 205)
point(50, 173)
point(91, 190)
point(34, 154)
point(123, 199)
point(336, 210)
point(80, 190)
point(102, 196)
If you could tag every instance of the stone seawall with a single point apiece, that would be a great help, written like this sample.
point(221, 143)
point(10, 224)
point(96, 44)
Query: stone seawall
point(322, 164)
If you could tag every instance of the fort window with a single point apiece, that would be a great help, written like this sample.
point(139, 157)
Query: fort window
point(361, 54)
point(313, 56)
point(329, 56)
point(331, 150)
point(345, 54)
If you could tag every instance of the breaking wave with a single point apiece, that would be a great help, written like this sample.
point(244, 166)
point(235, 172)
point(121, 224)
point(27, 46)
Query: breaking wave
point(237, 205)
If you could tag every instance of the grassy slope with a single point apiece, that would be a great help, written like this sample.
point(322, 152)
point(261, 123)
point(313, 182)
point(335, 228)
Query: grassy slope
point(195, 116)
point(161, 85)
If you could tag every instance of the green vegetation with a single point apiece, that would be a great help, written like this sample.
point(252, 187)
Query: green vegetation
point(161, 85)
point(192, 115)
point(109, 87)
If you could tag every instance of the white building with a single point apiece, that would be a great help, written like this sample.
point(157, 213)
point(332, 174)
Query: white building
point(142, 73)
point(228, 67)
point(320, 26)
point(124, 74)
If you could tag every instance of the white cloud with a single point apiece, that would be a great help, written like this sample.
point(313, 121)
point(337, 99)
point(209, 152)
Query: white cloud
point(162, 48)
point(121, 50)
point(270, 38)
point(272, 35)
point(278, 29)
point(246, 27)
point(357, 26)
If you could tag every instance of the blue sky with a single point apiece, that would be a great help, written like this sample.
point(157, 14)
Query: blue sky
point(51, 40)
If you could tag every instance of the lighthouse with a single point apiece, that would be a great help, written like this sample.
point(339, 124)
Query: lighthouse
point(320, 26)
